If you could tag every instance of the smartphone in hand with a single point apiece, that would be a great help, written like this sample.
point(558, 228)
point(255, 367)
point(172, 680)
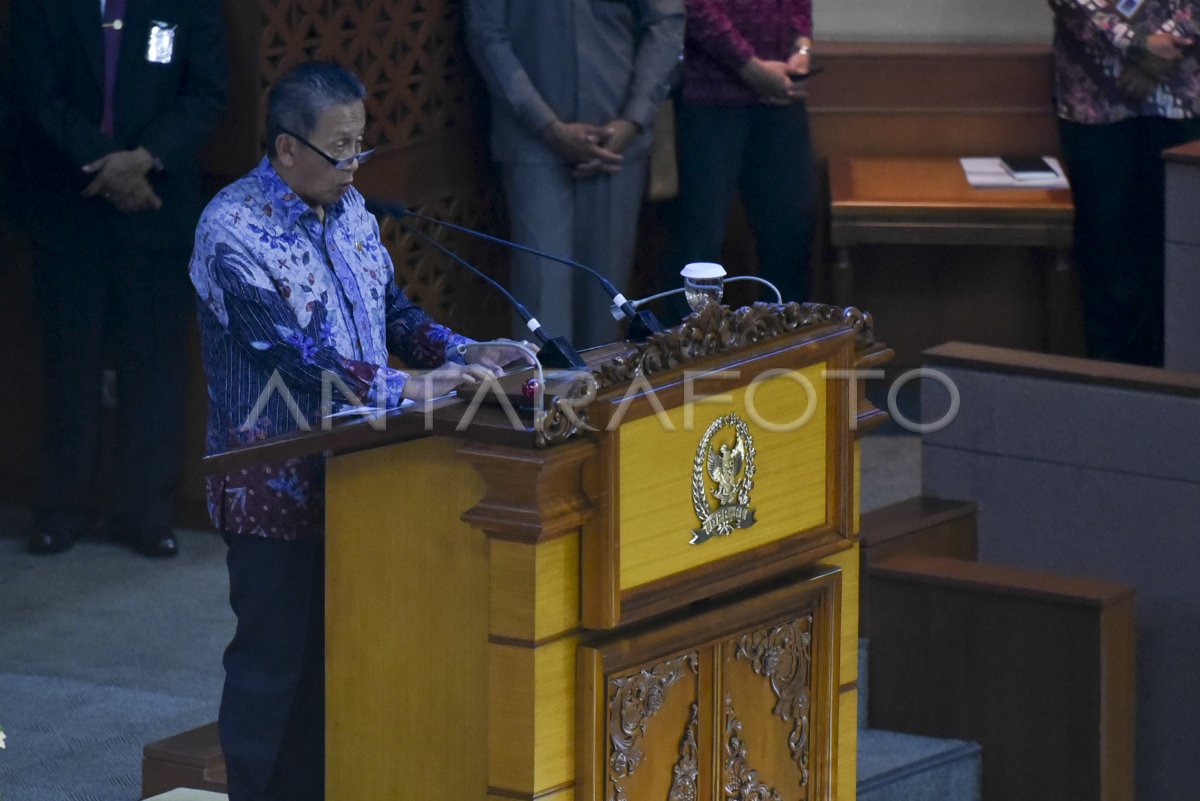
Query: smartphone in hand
point(801, 77)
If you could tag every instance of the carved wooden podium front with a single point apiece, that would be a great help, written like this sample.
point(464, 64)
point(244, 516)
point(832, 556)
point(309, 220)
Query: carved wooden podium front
point(663, 607)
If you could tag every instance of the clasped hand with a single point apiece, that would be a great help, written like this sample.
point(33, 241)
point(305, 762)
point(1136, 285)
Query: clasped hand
point(1139, 79)
point(776, 81)
point(485, 362)
point(121, 180)
point(592, 149)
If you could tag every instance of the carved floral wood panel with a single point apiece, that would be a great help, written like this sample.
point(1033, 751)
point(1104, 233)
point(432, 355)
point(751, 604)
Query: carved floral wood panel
point(782, 655)
point(761, 725)
point(773, 700)
point(634, 701)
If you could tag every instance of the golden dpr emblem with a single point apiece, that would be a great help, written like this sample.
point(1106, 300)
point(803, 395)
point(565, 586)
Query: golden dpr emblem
point(730, 466)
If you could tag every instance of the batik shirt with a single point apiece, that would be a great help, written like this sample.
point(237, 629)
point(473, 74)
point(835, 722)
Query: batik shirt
point(291, 310)
point(722, 35)
point(1091, 38)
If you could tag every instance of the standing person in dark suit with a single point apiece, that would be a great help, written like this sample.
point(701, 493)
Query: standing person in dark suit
point(117, 97)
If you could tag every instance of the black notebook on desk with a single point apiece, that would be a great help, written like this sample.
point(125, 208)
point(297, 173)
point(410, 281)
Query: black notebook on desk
point(1028, 168)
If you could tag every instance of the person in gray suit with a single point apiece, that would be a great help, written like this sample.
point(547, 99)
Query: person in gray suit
point(574, 86)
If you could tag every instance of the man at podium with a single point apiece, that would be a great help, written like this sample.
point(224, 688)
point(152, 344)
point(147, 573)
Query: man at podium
point(296, 299)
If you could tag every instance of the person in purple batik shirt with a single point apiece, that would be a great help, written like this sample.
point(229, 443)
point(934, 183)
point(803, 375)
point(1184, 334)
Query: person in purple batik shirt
point(296, 291)
point(1127, 85)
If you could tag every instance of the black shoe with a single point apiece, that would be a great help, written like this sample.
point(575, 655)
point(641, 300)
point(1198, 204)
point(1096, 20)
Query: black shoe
point(155, 542)
point(55, 533)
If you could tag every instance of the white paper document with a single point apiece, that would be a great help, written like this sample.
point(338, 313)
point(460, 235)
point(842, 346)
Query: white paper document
point(989, 173)
point(368, 412)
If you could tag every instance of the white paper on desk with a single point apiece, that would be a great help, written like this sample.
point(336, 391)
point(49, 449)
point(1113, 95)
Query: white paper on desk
point(367, 412)
point(374, 412)
point(989, 173)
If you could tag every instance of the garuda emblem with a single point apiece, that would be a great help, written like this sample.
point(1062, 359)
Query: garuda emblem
point(730, 466)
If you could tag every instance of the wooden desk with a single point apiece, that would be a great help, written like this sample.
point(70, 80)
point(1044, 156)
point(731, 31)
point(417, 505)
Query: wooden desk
point(927, 201)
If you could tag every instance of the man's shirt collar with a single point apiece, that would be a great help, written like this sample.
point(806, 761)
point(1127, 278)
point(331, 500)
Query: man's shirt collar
point(286, 206)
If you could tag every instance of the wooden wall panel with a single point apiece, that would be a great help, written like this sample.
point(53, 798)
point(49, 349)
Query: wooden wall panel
point(942, 100)
point(933, 100)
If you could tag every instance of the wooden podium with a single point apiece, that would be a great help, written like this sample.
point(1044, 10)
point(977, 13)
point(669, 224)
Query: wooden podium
point(663, 607)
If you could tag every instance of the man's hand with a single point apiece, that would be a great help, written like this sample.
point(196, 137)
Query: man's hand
point(141, 198)
point(119, 172)
point(495, 356)
point(580, 142)
point(443, 380)
point(621, 133)
point(771, 80)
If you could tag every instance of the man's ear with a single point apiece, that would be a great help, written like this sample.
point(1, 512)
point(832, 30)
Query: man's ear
point(285, 149)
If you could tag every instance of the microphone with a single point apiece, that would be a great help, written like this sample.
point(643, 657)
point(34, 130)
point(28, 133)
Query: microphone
point(642, 323)
point(554, 351)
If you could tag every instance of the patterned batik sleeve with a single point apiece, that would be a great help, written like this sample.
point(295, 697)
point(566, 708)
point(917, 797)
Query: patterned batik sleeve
point(415, 337)
point(244, 300)
point(1185, 21)
point(1089, 18)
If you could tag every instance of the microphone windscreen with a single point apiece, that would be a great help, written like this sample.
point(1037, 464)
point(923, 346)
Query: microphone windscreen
point(386, 208)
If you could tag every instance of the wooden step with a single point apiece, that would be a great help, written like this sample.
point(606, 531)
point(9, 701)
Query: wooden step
point(1037, 668)
point(191, 759)
point(920, 525)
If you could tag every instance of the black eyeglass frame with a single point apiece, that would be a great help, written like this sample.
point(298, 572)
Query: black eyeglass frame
point(338, 164)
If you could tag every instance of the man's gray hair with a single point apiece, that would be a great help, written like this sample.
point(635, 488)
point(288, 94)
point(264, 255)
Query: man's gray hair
point(299, 96)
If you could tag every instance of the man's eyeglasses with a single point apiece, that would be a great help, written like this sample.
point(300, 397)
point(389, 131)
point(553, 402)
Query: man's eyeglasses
point(338, 164)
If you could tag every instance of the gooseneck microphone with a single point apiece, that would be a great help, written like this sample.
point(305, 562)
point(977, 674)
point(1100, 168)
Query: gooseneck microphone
point(554, 351)
point(642, 323)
